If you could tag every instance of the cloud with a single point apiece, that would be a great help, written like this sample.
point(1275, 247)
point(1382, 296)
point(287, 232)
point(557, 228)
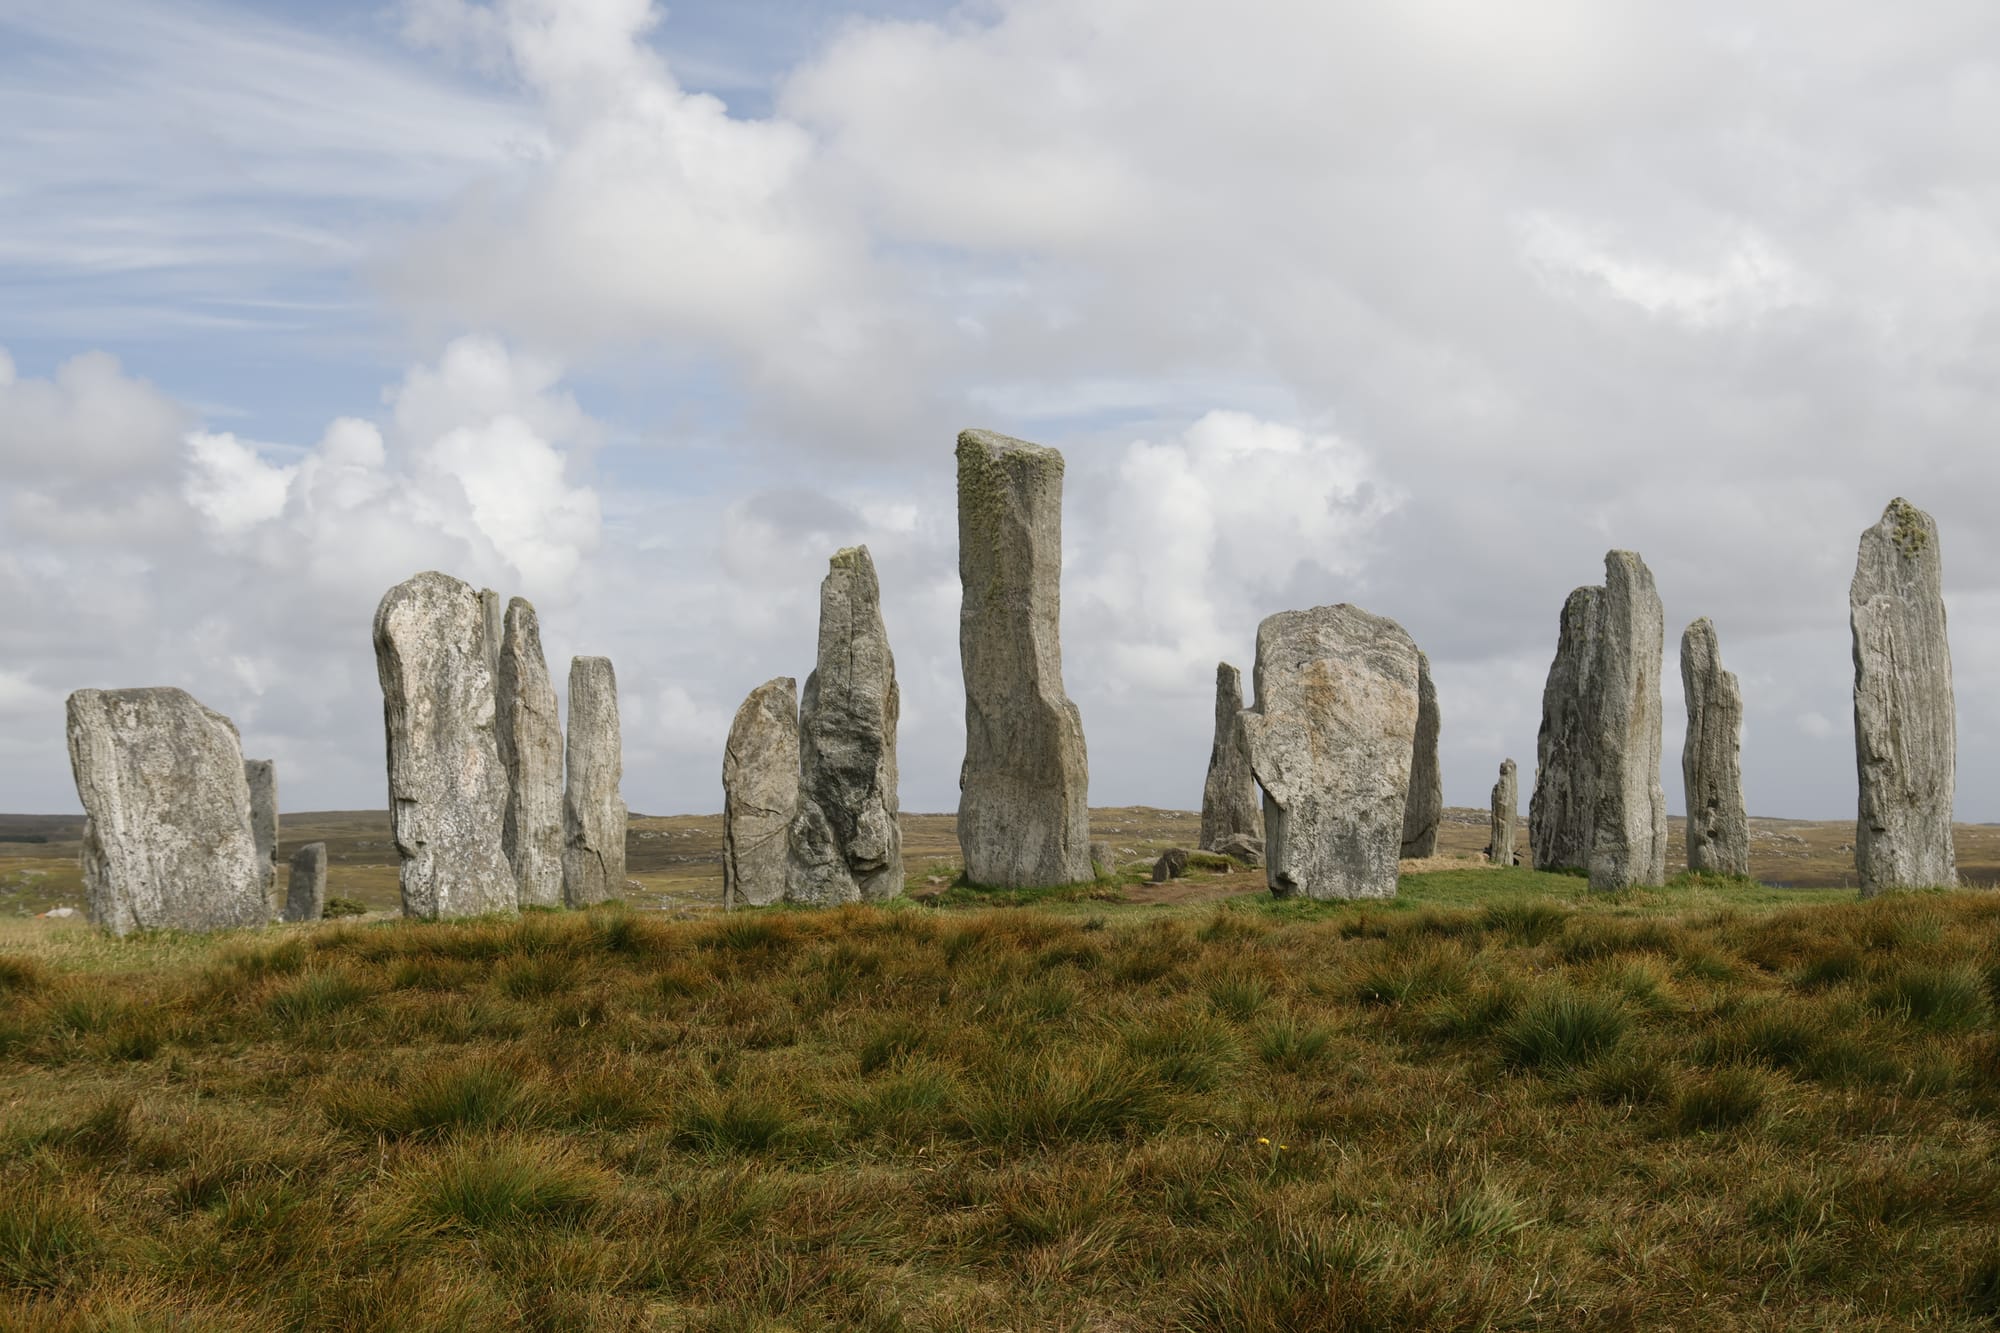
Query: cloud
point(89, 422)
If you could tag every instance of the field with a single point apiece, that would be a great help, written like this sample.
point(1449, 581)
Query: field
point(1498, 1102)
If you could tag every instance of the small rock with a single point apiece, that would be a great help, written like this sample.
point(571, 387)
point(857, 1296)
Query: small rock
point(1172, 864)
point(59, 913)
point(1101, 858)
point(1243, 848)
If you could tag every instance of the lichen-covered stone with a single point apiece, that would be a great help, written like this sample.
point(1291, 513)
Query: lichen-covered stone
point(1598, 803)
point(1506, 812)
point(593, 811)
point(490, 608)
point(1423, 809)
point(1331, 738)
point(447, 786)
point(847, 744)
point(1629, 842)
point(1102, 859)
point(1559, 811)
point(1905, 723)
point(1718, 826)
point(531, 749)
point(305, 887)
point(262, 775)
point(760, 794)
point(1229, 801)
point(1023, 814)
point(167, 841)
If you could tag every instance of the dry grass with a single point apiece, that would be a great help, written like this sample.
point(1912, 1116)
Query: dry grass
point(1496, 1103)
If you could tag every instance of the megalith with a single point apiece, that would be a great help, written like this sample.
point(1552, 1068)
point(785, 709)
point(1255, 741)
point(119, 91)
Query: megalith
point(1718, 827)
point(760, 794)
point(1905, 723)
point(262, 775)
point(531, 750)
point(1598, 804)
point(1023, 814)
point(167, 842)
point(1331, 737)
point(1229, 801)
point(447, 787)
point(593, 811)
point(1559, 811)
point(1506, 812)
point(1424, 807)
point(305, 887)
point(495, 616)
point(847, 745)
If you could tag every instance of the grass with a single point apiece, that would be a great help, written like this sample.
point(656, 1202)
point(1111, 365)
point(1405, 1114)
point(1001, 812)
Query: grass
point(1499, 1101)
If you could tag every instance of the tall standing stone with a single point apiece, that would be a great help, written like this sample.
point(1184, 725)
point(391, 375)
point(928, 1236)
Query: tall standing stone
point(1559, 811)
point(847, 745)
point(1023, 814)
point(531, 750)
point(1598, 803)
point(305, 887)
point(1229, 801)
point(1506, 813)
point(1629, 826)
point(760, 794)
point(490, 608)
point(262, 775)
point(1424, 808)
point(167, 842)
point(1331, 738)
point(1718, 827)
point(1905, 723)
point(593, 812)
point(447, 787)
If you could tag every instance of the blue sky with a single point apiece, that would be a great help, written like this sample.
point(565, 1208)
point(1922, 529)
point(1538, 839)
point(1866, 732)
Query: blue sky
point(642, 311)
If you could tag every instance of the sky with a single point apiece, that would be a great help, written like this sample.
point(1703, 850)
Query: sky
point(642, 311)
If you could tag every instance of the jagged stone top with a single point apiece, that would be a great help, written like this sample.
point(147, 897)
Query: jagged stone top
point(852, 557)
point(998, 445)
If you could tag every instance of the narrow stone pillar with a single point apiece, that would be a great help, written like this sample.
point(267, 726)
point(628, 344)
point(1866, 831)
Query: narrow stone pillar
point(305, 887)
point(1023, 810)
point(1718, 827)
point(593, 812)
point(1229, 800)
point(1506, 813)
point(760, 794)
point(262, 775)
point(531, 750)
point(1424, 809)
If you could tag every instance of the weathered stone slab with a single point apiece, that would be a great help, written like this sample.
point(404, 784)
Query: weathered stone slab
point(1506, 813)
point(167, 842)
point(593, 811)
point(262, 775)
point(1424, 807)
point(447, 786)
point(1905, 720)
point(847, 745)
point(1243, 848)
point(1173, 863)
point(1559, 811)
point(531, 750)
point(1229, 800)
point(1718, 826)
point(760, 794)
point(1331, 738)
point(1598, 803)
point(1023, 814)
point(1102, 859)
point(1629, 843)
point(305, 887)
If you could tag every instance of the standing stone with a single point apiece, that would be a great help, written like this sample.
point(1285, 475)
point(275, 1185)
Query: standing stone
point(489, 607)
point(593, 812)
point(1629, 842)
point(447, 787)
point(531, 750)
point(1331, 738)
point(760, 794)
point(1905, 723)
point(847, 746)
point(1023, 815)
point(1424, 808)
point(1598, 803)
point(167, 842)
point(1229, 803)
point(262, 775)
point(305, 889)
point(1718, 829)
point(1506, 811)
point(1559, 827)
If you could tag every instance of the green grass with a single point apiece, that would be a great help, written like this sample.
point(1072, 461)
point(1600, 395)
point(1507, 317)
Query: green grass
point(1497, 1102)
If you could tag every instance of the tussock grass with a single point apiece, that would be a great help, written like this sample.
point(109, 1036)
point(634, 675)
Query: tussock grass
point(1707, 1105)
